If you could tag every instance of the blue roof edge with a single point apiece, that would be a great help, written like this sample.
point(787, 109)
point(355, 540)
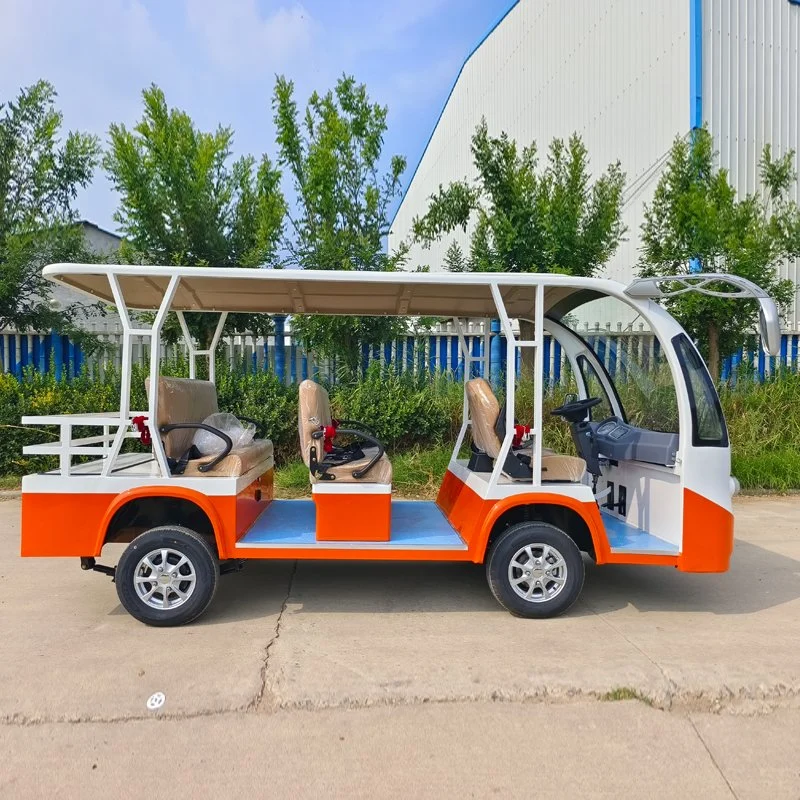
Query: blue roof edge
point(471, 53)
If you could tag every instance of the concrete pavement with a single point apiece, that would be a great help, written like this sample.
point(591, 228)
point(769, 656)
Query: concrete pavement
point(432, 685)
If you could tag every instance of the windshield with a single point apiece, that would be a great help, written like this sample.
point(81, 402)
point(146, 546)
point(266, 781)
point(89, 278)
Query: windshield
point(634, 361)
point(708, 424)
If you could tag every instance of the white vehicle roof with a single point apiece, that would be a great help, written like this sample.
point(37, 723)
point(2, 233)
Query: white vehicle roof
point(332, 292)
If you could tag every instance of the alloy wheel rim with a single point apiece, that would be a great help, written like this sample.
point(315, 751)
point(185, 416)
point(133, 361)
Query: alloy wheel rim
point(164, 579)
point(537, 572)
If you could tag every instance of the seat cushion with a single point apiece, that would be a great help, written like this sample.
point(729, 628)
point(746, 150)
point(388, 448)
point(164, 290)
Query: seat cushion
point(570, 469)
point(380, 473)
point(238, 462)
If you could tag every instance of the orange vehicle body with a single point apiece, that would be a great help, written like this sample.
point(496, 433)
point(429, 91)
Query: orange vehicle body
point(707, 543)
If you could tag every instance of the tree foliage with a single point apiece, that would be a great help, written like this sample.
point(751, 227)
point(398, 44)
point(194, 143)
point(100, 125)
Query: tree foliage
point(695, 222)
point(454, 260)
point(184, 202)
point(40, 176)
point(333, 154)
point(529, 220)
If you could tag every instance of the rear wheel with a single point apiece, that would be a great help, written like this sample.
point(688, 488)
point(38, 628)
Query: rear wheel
point(167, 576)
point(535, 570)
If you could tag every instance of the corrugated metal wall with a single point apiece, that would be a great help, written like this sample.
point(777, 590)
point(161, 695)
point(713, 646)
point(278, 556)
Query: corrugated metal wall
point(618, 73)
point(751, 89)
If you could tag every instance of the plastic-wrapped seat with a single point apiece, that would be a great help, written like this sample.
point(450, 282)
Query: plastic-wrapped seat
point(187, 402)
point(364, 463)
point(484, 411)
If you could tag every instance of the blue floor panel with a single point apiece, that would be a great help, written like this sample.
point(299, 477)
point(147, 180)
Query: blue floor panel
point(626, 538)
point(291, 523)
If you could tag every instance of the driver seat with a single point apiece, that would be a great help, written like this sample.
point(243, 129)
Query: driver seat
point(484, 411)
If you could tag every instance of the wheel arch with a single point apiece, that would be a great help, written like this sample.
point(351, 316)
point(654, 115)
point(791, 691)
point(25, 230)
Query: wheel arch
point(580, 521)
point(156, 506)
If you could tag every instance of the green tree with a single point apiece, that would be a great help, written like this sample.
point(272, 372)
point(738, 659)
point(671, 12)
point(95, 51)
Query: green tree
point(183, 202)
point(696, 223)
point(527, 219)
point(40, 176)
point(340, 217)
point(454, 260)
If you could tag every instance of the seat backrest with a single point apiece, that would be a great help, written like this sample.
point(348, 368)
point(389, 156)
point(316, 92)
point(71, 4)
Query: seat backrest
point(483, 411)
point(183, 400)
point(314, 410)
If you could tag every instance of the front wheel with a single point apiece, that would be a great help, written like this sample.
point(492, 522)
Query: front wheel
point(167, 576)
point(535, 570)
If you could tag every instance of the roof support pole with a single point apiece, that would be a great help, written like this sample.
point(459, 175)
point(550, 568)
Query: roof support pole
point(468, 359)
point(193, 352)
point(511, 347)
point(155, 362)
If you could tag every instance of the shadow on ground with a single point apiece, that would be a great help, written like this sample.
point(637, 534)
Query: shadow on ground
point(758, 579)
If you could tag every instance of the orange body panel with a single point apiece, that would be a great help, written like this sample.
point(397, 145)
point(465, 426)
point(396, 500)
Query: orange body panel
point(75, 524)
point(63, 524)
point(473, 517)
point(707, 535)
point(350, 554)
point(353, 517)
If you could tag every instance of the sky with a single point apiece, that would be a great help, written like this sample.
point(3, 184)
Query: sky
point(217, 60)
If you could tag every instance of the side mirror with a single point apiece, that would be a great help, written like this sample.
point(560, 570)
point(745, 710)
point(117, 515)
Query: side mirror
point(769, 324)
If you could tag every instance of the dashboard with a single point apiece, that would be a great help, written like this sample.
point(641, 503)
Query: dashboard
point(619, 441)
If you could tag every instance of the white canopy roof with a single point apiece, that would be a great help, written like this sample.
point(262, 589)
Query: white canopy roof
point(444, 294)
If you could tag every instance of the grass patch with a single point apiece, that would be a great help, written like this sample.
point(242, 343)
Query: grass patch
point(291, 480)
point(10, 483)
point(419, 473)
point(625, 693)
point(776, 471)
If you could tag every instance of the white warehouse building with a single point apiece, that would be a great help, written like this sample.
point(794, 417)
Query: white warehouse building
point(629, 76)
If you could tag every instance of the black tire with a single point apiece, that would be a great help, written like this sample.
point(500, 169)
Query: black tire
point(201, 559)
point(508, 547)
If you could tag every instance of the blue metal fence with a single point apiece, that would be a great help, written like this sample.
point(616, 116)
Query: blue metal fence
point(430, 353)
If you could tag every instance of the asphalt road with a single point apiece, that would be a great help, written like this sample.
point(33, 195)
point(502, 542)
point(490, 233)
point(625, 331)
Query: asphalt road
point(385, 679)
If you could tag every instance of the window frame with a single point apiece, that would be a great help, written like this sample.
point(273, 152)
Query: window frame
point(683, 347)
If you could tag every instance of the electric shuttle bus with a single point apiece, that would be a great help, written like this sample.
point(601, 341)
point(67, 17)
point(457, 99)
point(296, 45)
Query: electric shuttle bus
point(634, 488)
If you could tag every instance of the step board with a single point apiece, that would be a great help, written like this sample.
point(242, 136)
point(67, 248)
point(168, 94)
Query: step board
point(626, 538)
point(416, 525)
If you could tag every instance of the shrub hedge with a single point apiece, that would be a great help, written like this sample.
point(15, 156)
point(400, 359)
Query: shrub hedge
point(409, 413)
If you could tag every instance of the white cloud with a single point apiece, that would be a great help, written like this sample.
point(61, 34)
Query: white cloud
point(239, 38)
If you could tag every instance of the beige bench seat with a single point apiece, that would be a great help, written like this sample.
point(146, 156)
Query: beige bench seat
point(190, 400)
point(314, 411)
point(483, 411)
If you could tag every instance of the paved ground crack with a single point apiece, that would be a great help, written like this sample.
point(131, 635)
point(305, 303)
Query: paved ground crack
point(671, 685)
point(259, 698)
point(711, 756)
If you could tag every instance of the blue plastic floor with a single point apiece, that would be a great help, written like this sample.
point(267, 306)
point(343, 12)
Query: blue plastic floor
point(625, 538)
point(291, 523)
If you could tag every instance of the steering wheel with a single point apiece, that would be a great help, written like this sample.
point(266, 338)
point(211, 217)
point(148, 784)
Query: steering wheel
point(576, 411)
